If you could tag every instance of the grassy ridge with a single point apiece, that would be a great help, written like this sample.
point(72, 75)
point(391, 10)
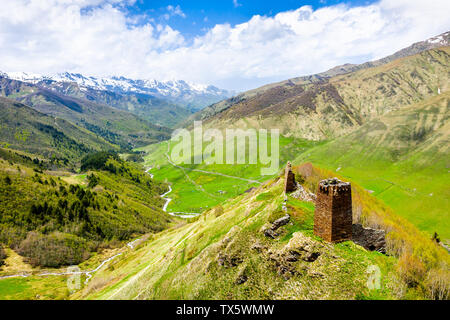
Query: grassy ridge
point(224, 255)
point(116, 126)
point(422, 263)
point(336, 106)
point(150, 108)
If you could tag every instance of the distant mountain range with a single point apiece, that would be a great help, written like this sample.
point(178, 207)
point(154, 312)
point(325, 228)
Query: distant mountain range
point(192, 96)
point(161, 103)
point(117, 127)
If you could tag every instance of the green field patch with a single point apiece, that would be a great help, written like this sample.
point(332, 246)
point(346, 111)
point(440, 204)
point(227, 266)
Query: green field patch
point(34, 288)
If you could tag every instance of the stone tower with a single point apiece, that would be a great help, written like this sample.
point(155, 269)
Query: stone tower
point(289, 179)
point(333, 214)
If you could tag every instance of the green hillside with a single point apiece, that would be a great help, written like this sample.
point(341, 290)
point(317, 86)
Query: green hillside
point(22, 128)
point(76, 214)
point(385, 127)
point(67, 197)
point(157, 111)
point(403, 158)
point(197, 187)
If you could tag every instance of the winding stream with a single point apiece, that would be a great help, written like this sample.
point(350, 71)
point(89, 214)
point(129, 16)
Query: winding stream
point(184, 215)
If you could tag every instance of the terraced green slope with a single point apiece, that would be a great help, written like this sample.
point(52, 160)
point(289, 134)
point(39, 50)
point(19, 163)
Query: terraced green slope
point(224, 255)
point(403, 158)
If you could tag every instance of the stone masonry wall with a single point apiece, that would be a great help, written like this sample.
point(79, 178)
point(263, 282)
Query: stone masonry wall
point(322, 214)
point(289, 182)
point(333, 213)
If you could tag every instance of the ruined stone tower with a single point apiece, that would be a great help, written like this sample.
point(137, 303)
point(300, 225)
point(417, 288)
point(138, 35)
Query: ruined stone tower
point(333, 214)
point(289, 179)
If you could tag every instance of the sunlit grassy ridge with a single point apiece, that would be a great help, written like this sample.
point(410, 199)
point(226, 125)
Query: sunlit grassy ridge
point(49, 288)
point(224, 255)
point(25, 129)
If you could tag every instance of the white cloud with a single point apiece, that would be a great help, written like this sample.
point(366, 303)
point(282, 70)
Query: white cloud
point(98, 37)
point(175, 11)
point(236, 4)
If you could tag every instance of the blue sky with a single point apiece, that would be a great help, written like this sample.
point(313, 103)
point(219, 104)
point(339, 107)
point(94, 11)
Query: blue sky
point(201, 15)
point(236, 46)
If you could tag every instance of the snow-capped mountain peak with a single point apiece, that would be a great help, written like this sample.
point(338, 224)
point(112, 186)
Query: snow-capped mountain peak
point(442, 40)
point(180, 91)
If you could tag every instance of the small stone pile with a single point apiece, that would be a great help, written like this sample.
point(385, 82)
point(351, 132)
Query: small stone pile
point(299, 248)
point(271, 232)
point(303, 195)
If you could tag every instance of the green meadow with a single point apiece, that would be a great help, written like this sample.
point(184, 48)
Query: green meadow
point(196, 191)
point(34, 288)
point(401, 158)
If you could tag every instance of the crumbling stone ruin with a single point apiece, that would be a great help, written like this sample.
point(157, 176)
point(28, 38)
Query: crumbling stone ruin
point(299, 248)
point(290, 184)
point(333, 214)
point(302, 194)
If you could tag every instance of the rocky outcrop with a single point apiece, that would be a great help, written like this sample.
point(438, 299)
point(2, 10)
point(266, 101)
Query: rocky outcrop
point(242, 276)
point(281, 222)
point(269, 233)
point(300, 248)
point(228, 260)
point(229, 255)
point(370, 239)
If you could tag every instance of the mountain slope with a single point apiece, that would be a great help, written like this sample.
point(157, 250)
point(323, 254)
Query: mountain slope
point(442, 40)
point(155, 110)
point(116, 126)
point(22, 128)
point(403, 158)
point(224, 255)
point(332, 107)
